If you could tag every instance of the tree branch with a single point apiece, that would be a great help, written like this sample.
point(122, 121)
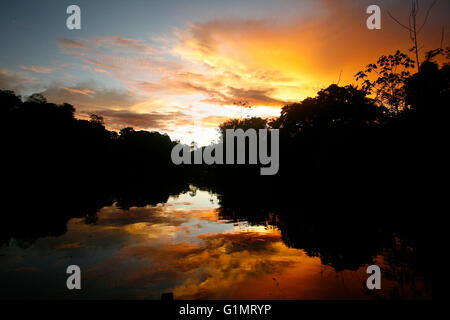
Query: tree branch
point(427, 14)
point(392, 17)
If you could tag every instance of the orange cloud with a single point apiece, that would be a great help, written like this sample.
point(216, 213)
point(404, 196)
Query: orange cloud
point(38, 69)
point(71, 44)
point(214, 121)
point(86, 92)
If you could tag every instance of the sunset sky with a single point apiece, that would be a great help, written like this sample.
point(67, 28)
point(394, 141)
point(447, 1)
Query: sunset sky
point(180, 67)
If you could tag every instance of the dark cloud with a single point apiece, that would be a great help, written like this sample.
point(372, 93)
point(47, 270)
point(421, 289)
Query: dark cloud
point(253, 97)
point(154, 120)
point(89, 97)
point(112, 216)
point(240, 241)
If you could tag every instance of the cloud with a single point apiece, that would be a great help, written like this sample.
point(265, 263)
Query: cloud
point(252, 97)
point(68, 43)
point(118, 43)
point(101, 70)
point(16, 82)
point(105, 64)
point(88, 96)
point(155, 121)
point(87, 92)
point(172, 78)
point(214, 91)
point(108, 54)
point(213, 121)
point(116, 107)
point(38, 69)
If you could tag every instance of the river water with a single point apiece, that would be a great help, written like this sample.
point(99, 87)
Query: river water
point(184, 247)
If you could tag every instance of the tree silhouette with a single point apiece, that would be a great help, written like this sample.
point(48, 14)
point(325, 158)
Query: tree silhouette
point(244, 124)
point(96, 119)
point(428, 90)
point(332, 108)
point(391, 72)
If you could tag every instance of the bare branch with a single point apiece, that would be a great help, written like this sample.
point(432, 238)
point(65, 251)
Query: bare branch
point(427, 14)
point(392, 17)
point(416, 7)
point(339, 80)
point(410, 19)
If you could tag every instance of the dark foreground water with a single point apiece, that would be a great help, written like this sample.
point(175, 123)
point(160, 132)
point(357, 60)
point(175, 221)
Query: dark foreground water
point(183, 246)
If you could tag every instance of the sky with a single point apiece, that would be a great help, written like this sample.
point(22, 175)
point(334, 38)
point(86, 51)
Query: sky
point(183, 67)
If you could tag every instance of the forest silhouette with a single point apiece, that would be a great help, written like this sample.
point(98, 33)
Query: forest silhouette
point(356, 165)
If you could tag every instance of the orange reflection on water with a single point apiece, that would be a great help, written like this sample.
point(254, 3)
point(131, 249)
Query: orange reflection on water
point(183, 247)
point(252, 263)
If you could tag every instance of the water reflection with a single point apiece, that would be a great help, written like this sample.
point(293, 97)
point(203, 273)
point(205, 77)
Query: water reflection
point(191, 247)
